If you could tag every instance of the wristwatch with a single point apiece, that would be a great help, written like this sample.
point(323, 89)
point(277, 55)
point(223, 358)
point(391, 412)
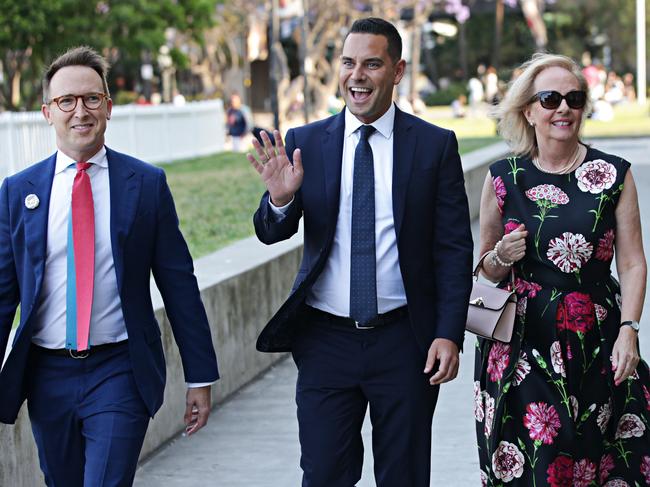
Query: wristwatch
point(632, 324)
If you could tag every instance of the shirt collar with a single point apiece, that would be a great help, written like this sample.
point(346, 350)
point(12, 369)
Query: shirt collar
point(64, 161)
point(383, 125)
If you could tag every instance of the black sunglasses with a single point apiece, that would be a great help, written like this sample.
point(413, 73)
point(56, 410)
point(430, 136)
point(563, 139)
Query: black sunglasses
point(552, 99)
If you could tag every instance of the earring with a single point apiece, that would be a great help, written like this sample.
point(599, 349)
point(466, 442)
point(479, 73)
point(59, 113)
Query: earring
point(531, 123)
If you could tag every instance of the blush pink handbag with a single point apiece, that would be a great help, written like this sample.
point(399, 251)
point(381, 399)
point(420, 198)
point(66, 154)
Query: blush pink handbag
point(491, 312)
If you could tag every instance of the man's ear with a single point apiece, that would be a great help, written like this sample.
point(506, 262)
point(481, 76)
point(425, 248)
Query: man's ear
point(47, 114)
point(400, 68)
point(109, 108)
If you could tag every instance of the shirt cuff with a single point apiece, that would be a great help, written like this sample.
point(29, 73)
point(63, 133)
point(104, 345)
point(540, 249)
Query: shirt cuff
point(280, 211)
point(194, 385)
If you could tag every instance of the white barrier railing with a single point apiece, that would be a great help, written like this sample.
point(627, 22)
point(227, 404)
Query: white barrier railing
point(156, 134)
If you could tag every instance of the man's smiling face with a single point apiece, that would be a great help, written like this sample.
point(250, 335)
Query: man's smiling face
point(79, 133)
point(368, 75)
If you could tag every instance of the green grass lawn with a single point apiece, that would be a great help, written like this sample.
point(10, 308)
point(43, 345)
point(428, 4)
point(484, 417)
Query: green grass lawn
point(217, 195)
point(629, 120)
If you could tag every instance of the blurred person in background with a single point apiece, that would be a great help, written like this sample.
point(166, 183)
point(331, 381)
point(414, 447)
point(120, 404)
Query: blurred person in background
point(237, 121)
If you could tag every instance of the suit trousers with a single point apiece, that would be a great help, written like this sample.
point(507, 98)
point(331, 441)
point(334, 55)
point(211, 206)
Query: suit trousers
point(87, 417)
point(341, 372)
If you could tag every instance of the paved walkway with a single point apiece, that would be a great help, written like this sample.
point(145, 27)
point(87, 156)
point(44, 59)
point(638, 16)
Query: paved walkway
point(252, 439)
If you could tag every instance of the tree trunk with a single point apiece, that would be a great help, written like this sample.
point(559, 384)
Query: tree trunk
point(498, 29)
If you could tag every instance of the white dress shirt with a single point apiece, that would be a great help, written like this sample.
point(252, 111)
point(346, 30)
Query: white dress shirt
point(106, 319)
point(331, 291)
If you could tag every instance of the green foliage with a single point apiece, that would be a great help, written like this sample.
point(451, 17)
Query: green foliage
point(125, 97)
point(446, 96)
point(33, 32)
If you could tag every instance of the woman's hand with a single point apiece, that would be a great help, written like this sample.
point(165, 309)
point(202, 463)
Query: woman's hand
point(625, 354)
point(512, 247)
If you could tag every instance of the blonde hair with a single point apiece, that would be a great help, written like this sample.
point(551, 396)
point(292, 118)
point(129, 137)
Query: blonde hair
point(512, 124)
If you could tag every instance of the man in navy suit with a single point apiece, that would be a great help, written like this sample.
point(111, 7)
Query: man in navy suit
point(377, 312)
point(90, 405)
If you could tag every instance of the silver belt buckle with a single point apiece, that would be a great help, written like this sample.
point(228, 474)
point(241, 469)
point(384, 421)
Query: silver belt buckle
point(362, 327)
point(79, 355)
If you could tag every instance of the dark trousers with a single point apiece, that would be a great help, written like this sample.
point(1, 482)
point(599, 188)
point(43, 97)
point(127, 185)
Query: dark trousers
point(87, 418)
point(342, 370)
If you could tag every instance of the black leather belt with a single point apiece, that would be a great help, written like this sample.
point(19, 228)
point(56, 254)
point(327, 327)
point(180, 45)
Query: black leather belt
point(380, 320)
point(64, 352)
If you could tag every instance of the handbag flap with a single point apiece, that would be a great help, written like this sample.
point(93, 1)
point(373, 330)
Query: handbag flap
point(486, 296)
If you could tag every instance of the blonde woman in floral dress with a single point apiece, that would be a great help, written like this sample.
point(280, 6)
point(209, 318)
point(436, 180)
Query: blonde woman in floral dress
point(567, 401)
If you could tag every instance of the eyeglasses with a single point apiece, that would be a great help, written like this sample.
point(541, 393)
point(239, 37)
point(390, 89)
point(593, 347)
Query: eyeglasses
point(552, 99)
point(68, 103)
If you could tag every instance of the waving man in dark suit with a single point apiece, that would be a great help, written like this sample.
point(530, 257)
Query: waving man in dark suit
point(377, 312)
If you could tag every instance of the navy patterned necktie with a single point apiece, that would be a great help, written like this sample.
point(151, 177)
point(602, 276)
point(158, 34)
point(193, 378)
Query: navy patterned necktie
point(363, 260)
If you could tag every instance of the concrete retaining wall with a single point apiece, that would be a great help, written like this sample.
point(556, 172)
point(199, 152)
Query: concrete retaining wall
point(242, 286)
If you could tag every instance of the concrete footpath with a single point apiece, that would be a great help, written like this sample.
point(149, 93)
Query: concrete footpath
point(252, 439)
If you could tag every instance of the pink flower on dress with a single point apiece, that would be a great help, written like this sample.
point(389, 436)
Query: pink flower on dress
point(556, 359)
point(479, 413)
point(595, 176)
point(484, 479)
point(601, 312)
point(569, 252)
point(523, 287)
point(605, 250)
point(511, 226)
point(498, 360)
point(522, 304)
point(629, 426)
point(646, 393)
point(489, 414)
point(606, 465)
point(584, 473)
point(560, 472)
point(604, 415)
point(645, 468)
point(507, 462)
point(576, 313)
point(521, 369)
point(500, 192)
point(542, 422)
point(550, 194)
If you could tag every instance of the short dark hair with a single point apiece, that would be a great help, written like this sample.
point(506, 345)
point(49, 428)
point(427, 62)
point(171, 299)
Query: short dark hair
point(76, 56)
point(380, 27)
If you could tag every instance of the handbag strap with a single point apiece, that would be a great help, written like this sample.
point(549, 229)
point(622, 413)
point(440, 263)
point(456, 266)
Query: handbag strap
point(480, 262)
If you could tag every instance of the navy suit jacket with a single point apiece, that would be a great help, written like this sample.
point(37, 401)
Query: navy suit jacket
point(145, 239)
point(431, 217)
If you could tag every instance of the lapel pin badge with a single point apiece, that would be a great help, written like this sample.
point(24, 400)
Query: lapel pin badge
point(31, 201)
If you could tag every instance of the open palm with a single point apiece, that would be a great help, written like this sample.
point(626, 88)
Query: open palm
point(281, 178)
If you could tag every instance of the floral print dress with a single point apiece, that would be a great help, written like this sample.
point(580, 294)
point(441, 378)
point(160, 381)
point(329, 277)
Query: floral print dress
point(546, 407)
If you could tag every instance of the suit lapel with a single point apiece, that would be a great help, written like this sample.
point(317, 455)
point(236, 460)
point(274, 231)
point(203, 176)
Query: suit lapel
point(403, 151)
point(332, 149)
point(124, 193)
point(39, 183)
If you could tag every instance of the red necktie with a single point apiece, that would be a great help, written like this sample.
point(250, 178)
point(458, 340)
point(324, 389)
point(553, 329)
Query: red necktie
point(83, 231)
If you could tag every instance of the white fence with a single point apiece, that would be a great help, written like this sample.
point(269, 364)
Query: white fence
point(156, 134)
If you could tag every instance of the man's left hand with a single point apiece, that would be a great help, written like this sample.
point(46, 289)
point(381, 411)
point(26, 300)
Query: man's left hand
point(444, 352)
point(197, 409)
